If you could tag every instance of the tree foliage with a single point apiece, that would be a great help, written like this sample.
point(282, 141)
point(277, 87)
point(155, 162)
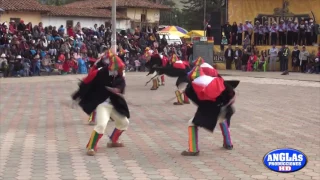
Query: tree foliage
point(193, 11)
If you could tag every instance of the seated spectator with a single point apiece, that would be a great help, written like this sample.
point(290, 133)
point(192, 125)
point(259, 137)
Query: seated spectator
point(252, 60)
point(82, 67)
point(46, 63)
point(4, 65)
point(36, 65)
point(18, 68)
point(26, 67)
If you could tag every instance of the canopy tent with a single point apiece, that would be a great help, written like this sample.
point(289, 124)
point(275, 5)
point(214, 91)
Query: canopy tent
point(177, 33)
point(175, 28)
point(194, 33)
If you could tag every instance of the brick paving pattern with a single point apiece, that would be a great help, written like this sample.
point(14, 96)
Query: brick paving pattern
point(42, 137)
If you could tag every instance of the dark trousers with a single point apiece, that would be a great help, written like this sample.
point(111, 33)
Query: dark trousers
point(303, 66)
point(295, 36)
point(284, 64)
point(260, 39)
point(239, 38)
point(245, 33)
point(256, 38)
point(289, 38)
point(273, 38)
point(266, 38)
point(302, 38)
point(282, 38)
point(228, 63)
point(309, 38)
point(234, 39)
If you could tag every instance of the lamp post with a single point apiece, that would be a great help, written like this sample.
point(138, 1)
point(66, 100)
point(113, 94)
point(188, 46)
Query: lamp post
point(114, 28)
point(204, 16)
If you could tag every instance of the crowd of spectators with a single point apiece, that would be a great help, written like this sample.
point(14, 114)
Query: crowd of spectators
point(27, 50)
point(250, 59)
point(287, 32)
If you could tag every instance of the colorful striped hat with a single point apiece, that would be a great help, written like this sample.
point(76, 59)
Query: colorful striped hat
point(116, 64)
point(199, 61)
point(174, 58)
point(195, 72)
point(109, 53)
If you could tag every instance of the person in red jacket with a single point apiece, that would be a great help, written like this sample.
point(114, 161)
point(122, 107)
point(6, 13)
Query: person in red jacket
point(70, 31)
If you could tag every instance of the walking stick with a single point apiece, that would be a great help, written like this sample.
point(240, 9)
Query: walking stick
point(151, 79)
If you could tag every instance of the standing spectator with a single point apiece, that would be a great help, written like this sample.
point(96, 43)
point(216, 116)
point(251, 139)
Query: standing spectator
point(21, 26)
point(266, 31)
point(36, 65)
point(295, 33)
point(274, 31)
point(61, 30)
point(250, 29)
point(314, 31)
point(229, 54)
point(282, 30)
point(302, 33)
point(284, 60)
point(295, 58)
point(77, 28)
point(246, 42)
point(260, 36)
point(237, 58)
point(290, 25)
point(239, 34)
point(227, 31)
point(46, 63)
point(224, 42)
point(234, 31)
point(70, 31)
point(26, 67)
point(4, 65)
point(273, 52)
point(303, 56)
point(256, 32)
point(309, 33)
point(208, 30)
point(12, 27)
point(244, 59)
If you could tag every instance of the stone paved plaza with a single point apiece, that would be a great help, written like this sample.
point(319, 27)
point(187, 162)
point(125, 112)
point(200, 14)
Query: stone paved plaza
point(42, 137)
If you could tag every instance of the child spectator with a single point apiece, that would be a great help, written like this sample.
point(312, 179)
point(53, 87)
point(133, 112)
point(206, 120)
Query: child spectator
point(137, 64)
point(26, 67)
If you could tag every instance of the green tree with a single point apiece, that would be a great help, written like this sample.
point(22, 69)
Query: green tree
point(193, 11)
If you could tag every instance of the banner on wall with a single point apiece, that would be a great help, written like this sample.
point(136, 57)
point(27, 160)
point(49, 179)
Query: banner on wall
point(282, 14)
point(273, 10)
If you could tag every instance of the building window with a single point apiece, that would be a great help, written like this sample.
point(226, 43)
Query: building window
point(69, 23)
point(143, 18)
point(17, 20)
point(107, 24)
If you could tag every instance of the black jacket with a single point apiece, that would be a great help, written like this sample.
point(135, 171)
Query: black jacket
point(91, 94)
point(208, 112)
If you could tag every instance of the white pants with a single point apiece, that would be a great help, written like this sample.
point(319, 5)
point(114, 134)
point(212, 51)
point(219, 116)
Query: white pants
point(272, 63)
point(104, 112)
point(182, 86)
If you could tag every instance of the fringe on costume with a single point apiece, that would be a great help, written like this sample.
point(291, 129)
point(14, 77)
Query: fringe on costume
point(115, 135)
point(92, 117)
point(193, 139)
point(179, 96)
point(225, 133)
point(93, 141)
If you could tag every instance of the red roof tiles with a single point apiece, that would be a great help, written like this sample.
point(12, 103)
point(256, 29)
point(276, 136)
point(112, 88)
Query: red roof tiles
point(66, 11)
point(22, 5)
point(99, 4)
